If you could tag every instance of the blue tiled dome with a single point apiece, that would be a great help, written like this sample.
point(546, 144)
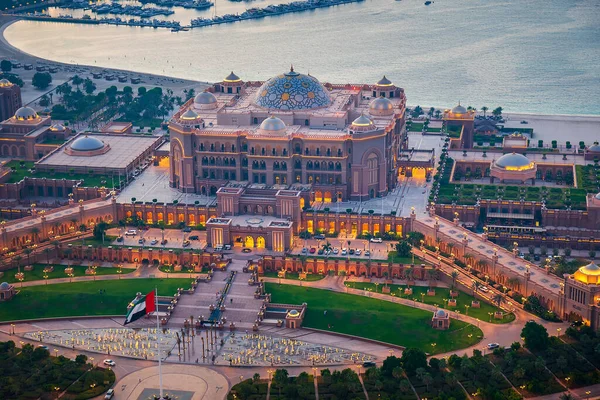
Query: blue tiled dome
point(87, 143)
point(4, 286)
point(292, 91)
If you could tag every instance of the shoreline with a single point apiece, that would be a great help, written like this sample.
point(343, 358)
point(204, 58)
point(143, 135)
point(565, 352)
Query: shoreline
point(9, 51)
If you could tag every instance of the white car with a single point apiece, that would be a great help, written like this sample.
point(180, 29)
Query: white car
point(358, 252)
point(376, 240)
point(131, 232)
point(109, 394)
point(492, 346)
point(344, 252)
point(109, 362)
point(153, 242)
point(335, 251)
point(484, 289)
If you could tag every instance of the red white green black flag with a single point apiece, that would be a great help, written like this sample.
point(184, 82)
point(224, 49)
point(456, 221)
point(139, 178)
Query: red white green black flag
point(140, 307)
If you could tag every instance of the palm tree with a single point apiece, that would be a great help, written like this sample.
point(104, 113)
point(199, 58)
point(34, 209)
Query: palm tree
point(483, 264)
point(513, 282)
point(326, 247)
point(47, 251)
point(566, 396)
point(432, 275)
point(18, 259)
point(427, 380)
point(484, 109)
point(67, 252)
point(476, 285)
point(409, 274)
point(454, 275)
point(398, 372)
point(28, 251)
point(498, 299)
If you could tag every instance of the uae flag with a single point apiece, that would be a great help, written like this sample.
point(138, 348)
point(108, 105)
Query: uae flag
point(140, 307)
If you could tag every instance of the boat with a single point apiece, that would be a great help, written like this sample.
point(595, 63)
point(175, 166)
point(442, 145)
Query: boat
point(428, 2)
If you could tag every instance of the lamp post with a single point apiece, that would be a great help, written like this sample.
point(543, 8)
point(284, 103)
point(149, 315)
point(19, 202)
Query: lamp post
point(558, 331)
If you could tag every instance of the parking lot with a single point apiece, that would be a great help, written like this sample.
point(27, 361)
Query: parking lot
point(366, 248)
point(175, 238)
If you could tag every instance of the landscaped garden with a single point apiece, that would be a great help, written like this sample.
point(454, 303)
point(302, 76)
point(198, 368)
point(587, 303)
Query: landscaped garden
point(59, 272)
point(588, 177)
point(83, 298)
point(21, 170)
point(375, 319)
point(295, 276)
point(441, 297)
point(31, 373)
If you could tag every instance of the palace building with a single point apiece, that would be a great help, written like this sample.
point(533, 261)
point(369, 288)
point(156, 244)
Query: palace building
point(289, 133)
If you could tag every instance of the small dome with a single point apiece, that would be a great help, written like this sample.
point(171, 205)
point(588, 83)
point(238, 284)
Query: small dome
point(189, 115)
point(272, 124)
point(588, 274)
point(384, 82)
point(440, 313)
point(87, 143)
point(26, 114)
point(595, 148)
point(205, 98)
point(232, 78)
point(381, 106)
point(294, 314)
point(459, 109)
point(513, 160)
point(58, 128)
point(5, 83)
point(4, 286)
point(363, 120)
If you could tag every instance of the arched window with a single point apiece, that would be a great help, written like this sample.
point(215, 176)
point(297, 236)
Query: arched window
point(372, 168)
point(284, 166)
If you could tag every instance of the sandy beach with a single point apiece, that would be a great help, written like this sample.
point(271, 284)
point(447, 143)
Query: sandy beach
point(546, 127)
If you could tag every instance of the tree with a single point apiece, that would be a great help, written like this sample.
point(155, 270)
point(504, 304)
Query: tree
point(498, 299)
point(427, 380)
point(190, 94)
point(281, 379)
point(535, 336)
point(405, 386)
point(256, 377)
point(44, 101)
point(41, 80)
point(412, 359)
point(398, 372)
point(484, 109)
point(77, 80)
point(415, 238)
point(89, 86)
point(81, 359)
point(389, 364)
point(99, 230)
point(497, 112)
point(454, 275)
point(403, 249)
point(141, 91)
point(5, 66)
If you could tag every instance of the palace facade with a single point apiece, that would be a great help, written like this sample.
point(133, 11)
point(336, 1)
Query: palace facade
point(290, 132)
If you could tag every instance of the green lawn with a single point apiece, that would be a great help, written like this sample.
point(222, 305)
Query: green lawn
point(375, 319)
point(89, 180)
point(395, 258)
point(295, 276)
point(59, 272)
point(83, 298)
point(420, 294)
point(184, 270)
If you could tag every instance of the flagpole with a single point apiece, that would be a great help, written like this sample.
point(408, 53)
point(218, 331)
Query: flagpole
point(157, 342)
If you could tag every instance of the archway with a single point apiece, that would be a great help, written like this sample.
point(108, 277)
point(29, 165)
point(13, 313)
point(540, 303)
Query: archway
point(327, 197)
point(418, 173)
point(260, 242)
point(249, 241)
point(318, 196)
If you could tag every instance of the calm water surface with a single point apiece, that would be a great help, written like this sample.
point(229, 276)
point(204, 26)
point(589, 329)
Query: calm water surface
point(527, 56)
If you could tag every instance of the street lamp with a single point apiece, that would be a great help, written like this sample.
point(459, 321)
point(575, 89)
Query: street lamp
point(558, 331)
point(13, 328)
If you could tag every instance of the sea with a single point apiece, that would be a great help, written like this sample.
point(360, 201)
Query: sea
point(530, 56)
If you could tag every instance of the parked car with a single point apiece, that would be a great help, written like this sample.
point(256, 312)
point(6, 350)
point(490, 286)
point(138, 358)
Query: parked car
point(369, 364)
point(141, 241)
point(484, 289)
point(376, 240)
point(492, 346)
point(367, 253)
point(246, 250)
point(351, 251)
point(163, 242)
point(320, 252)
point(186, 243)
point(109, 362)
point(304, 250)
point(109, 394)
point(120, 239)
point(187, 229)
point(227, 247)
point(358, 252)
point(344, 252)
point(41, 346)
point(320, 237)
point(335, 251)
point(313, 250)
point(153, 242)
point(194, 237)
point(131, 232)
point(219, 248)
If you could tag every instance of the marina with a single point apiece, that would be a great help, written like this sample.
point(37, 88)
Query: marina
point(175, 26)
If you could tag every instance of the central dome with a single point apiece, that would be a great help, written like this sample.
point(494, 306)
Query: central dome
point(87, 143)
point(588, 274)
point(292, 91)
point(513, 160)
point(26, 114)
point(459, 109)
